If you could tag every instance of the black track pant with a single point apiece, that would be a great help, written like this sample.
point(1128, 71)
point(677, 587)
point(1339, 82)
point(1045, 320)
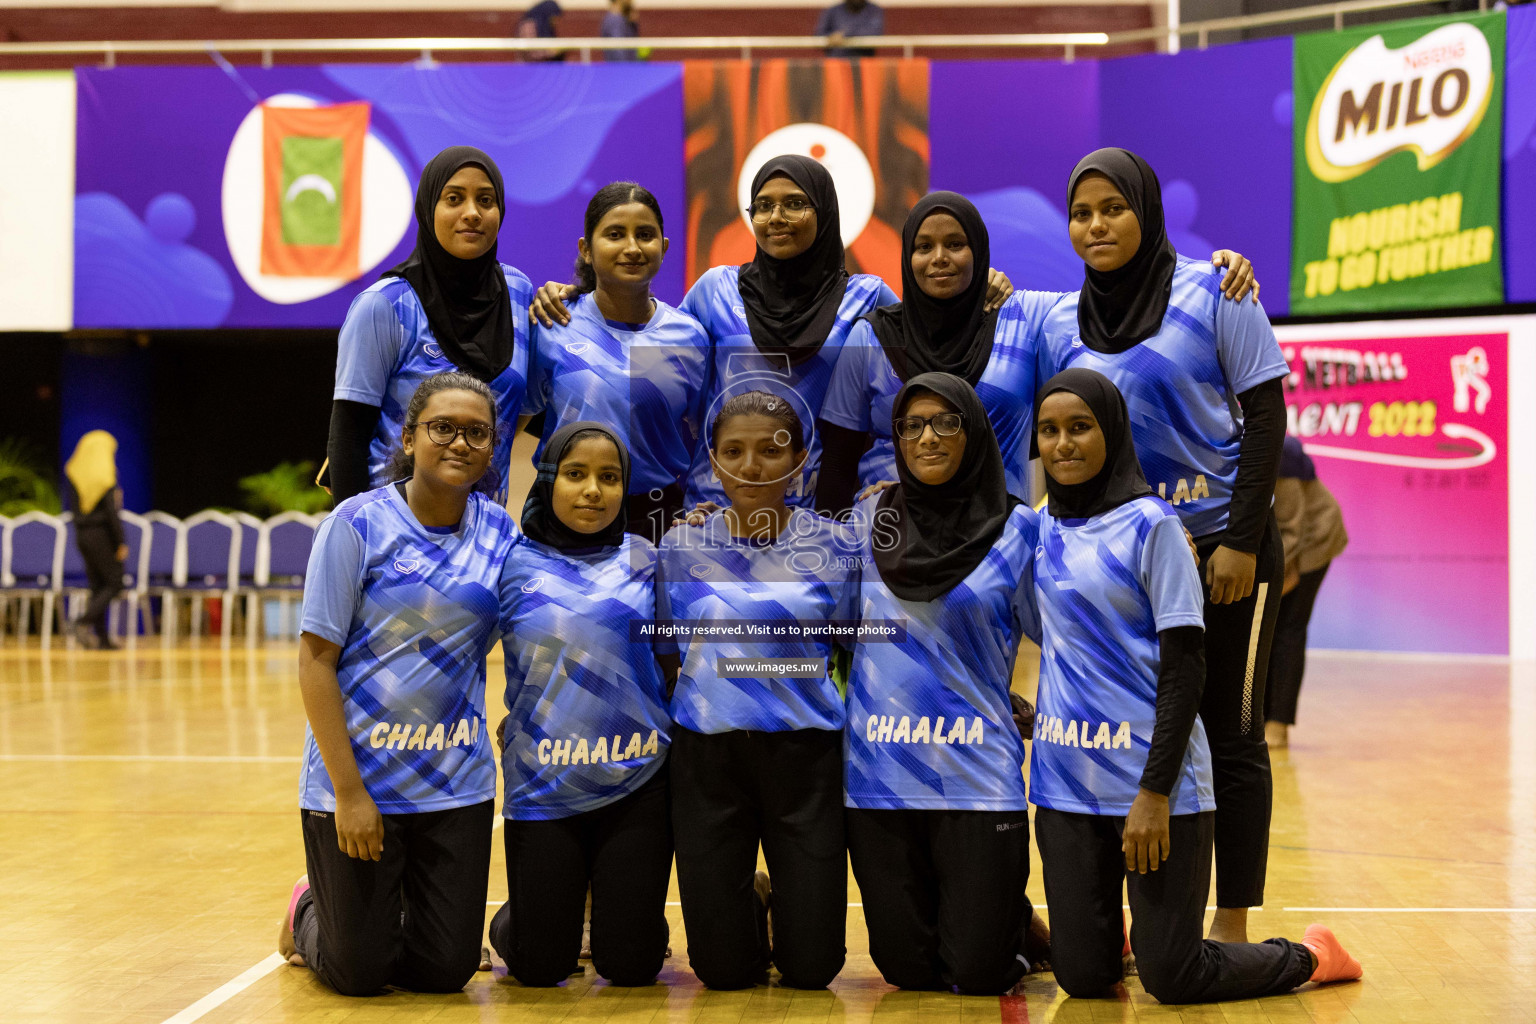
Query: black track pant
point(349, 927)
point(1237, 642)
point(944, 896)
point(1288, 655)
point(1084, 875)
point(730, 792)
point(623, 851)
point(104, 573)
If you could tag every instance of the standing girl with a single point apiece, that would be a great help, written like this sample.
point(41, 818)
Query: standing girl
point(626, 358)
point(92, 475)
point(757, 752)
point(449, 306)
point(585, 743)
point(938, 824)
point(1201, 378)
point(1120, 772)
point(398, 784)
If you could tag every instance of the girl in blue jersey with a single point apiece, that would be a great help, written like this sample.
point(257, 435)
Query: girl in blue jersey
point(585, 743)
point(938, 825)
point(945, 324)
point(1120, 773)
point(756, 750)
point(449, 306)
point(1201, 378)
point(398, 784)
point(625, 357)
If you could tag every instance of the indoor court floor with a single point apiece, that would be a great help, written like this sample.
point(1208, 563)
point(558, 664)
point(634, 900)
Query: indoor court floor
point(148, 798)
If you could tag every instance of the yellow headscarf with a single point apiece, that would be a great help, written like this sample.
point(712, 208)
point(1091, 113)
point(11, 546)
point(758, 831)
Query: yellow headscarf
point(92, 469)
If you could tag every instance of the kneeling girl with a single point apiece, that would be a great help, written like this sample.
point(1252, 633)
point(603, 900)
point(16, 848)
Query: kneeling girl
point(938, 829)
point(1121, 771)
point(585, 743)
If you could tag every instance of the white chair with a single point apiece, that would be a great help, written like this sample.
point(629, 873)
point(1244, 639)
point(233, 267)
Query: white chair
point(160, 558)
point(208, 564)
point(31, 566)
point(282, 559)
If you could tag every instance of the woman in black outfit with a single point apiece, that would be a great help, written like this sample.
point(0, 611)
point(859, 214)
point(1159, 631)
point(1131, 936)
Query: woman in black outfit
point(92, 475)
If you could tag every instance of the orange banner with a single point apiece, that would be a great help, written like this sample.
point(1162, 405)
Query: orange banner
point(865, 120)
point(312, 161)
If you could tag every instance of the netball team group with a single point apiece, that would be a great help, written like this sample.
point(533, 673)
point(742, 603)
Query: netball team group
point(767, 591)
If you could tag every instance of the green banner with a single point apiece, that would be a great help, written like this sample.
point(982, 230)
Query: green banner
point(1397, 153)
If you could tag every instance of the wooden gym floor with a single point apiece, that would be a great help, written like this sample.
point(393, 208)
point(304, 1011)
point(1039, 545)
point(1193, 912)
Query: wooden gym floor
point(147, 809)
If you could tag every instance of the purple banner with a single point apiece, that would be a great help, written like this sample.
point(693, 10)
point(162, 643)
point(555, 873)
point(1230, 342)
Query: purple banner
point(1520, 155)
point(169, 178)
point(1216, 126)
point(1006, 134)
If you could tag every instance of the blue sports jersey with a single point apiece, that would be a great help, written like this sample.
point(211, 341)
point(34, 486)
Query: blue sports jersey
point(1181, 387)
point(864, 388)
point(414, 610)
point(1105, 587)
point(589, 722)
point(646, 384)
point(929, 722)
point(387, 348)
point(715, 301)
point(808, 574)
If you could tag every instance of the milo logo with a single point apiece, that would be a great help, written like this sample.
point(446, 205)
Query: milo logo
point(1427, 97)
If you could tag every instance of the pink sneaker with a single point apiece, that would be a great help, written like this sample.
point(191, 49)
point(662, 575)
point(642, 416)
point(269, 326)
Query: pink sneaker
point(1333, 961)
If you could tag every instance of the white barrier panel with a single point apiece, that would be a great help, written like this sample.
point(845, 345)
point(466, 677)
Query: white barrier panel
point(37, 200)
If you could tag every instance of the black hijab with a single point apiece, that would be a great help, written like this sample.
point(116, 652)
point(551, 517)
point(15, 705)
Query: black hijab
point(1120, 480)
point(466, 300)
point(943, 530)
point(1121, 308)
point(539, 519)
point(792, 304)
point(926, 335)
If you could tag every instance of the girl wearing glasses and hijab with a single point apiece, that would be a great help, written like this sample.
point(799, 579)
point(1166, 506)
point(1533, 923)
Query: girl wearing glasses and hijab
point(449, 306)
point(398, 781)
point(938, 825)
point(1201, 378)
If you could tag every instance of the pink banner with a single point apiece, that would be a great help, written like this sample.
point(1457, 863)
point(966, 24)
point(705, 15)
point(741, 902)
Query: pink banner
point(1410, 433)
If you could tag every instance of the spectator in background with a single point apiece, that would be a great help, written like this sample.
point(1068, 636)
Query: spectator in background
point(92, 475)
point(850, 18)
point(620, 23)
point(539, 23)
point(1312, 529)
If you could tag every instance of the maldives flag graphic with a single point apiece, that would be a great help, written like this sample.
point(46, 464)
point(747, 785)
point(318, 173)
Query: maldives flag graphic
point(312, 183)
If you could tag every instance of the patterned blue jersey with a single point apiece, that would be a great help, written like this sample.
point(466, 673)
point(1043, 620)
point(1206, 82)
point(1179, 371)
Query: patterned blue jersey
point(864, 389)
point(929, 723)
point(1181, 387)
point(414, 610)
point(589, 722)
point(387, 348)
point(647, 384)
point(1105, 587)
point(809, 574)
point(715, 301)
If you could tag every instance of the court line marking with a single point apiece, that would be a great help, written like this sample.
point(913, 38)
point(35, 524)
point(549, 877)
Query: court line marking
point(158, 758)
point(227, 991)
point(1409, 910)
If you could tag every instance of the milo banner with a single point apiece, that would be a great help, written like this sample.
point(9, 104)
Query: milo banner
point(1397, 135)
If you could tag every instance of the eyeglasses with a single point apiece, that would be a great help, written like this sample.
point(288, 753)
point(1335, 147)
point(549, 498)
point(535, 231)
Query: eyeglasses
point(795, 208)
point(444, 433)
point(945, 424)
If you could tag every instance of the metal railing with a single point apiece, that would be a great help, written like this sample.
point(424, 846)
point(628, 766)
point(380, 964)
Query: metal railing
point(1068, 42)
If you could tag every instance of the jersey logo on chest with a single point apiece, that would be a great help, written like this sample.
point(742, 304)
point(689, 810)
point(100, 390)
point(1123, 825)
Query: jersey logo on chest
point(576, 348)
point(701, 570)
point(533, 585)
point(433, 349)
point(406, 565)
